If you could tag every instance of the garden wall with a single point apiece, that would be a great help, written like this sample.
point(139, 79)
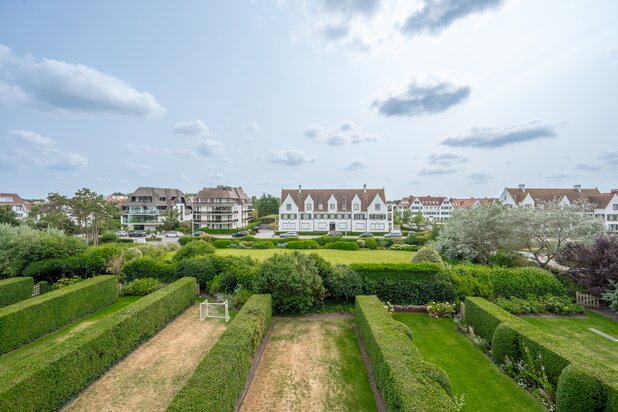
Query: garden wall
point(220, 378)
point(583, 384)
point(405, 380)
point(30, 319)
point(48, 379)
point(15, 290)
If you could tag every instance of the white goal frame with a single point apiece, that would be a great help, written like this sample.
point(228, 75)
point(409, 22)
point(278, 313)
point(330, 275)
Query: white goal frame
point(205, 313)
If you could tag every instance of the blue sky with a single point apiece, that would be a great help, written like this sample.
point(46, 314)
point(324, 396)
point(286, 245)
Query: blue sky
point(455, 98)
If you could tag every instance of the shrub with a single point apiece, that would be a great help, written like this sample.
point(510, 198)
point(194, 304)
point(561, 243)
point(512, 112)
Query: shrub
point(418, 238)
point(153, 239)
point(108, 237)
point(194, 249)
point(343, 283)
point(222, 243)
point(407, 283)
point(371, 243)
point(561, 305)
point(44, 287)
point(30, 319)
point(594, 264)
point(263, 244)
point(183, 240)
point(611, 296)
point(292, 280)
point(303, 244)
point(508, 258)
point(239, 270)
point(146, 267)
point(441, 309)
point(48, 379)
point(64, 282)
point(342, 245)
point(406, 382)
point(400, 246)
point(14, 290)
point(227, 365)
point(203, 269)
point(427, 254)
point(142, 287)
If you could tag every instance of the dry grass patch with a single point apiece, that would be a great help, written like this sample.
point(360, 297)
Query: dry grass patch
point(310, 365)
point(148, 378)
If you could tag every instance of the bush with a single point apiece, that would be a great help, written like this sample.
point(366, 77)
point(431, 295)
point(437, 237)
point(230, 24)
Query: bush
point(146, 267)
point(508, 258)
point(227, 365)
point(142, 287)
point(64, 282)
point(264, 244)
point(203, 269)
point(183, 240)
point(292, 280)
point(108, 237)
point(371, 243)
point(400, 246)
point(342, 245)
point(194, 249)
point(44, 287)
point(48, 379)
point(418, 238)
point(240, 270)
point(427, 254)
point(406, 283)
point(30, 319)
point(561, 305)
point(303, 244)
point(14, 290)
point(406, 382)
point(222, 243)
point(343, 283)
point(441, 309)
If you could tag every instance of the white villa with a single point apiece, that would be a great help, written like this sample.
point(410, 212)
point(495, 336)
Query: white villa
point(605, 204)
point(221, 207)
point(19, 206)
point(322, 210)
point(432, 208)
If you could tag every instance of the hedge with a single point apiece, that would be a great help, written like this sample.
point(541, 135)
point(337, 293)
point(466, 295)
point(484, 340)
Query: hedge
point(25, 321)
point(302, 244)
point(342, 245)
point(583, 384)
point(220, 377)
point(147, 267)
point(406, 382)
point(406, 283)
point(14, 290)
point(48, 379)
point(222, 243)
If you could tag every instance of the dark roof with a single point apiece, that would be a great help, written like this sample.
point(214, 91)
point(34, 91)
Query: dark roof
point(344, 197)
point(546, 195)
point(224, 192)
point(172, 196)
point(16, 200)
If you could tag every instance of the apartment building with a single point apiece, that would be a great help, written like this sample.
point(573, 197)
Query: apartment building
point(462, 204)
point(144, 208)
point(432, 208)
point(19, 206)
point(605, 204)
point(221, 207)
point(323, 210)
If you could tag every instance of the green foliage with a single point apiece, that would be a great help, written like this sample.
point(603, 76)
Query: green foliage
point(441, 309)
point(7, 216)
point(20, 245)
point(108, 237)
point(370, 243)
point(221, 376)
point(44, 287)
point(406, 382)
point(418, 238)
point(561, 305)
point(15, 290)
point(186, 239)
point(611, 296)
point(266, 205)
point(427, 254)
point(48, 379)
point(142, 287)
point(30, 319)
point(263, 244)
point(508, 258)
point(146, 267)
point(578, 391)
point(240, 270)
point(406, 283)
point(293, 281)
point(343, 283)
point(303, 244)
point(203, 269)
point(194, 249)
point(341, 245)
point(222, 243)
point(64, 282)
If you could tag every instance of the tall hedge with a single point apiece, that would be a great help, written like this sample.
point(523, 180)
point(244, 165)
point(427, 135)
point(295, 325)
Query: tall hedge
point(583, 384)
point(48, 379)
point(15, 290)
point(25, 321)
point(406, 382)
point(220, 378)
point(406, 283)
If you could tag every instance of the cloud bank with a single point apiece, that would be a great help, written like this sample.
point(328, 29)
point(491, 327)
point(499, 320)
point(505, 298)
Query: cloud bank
point(290, 157)
point(346, 133)
point(493, 138)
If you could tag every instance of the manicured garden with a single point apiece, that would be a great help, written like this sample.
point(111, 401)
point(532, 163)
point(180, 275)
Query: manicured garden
point(333, 256)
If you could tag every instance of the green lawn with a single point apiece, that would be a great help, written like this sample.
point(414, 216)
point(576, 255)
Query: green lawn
point(46, 342)
point(484, 387)
point(576, 332)
point(333, 256)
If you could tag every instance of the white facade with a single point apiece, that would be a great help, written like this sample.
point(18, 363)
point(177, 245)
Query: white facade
point(16, 203)
point(432, 208)
point(221, 207)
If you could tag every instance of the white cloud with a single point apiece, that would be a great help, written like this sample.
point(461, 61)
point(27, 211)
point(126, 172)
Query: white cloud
point(492, 138)
point(251, 128)
point(434, 171)
point(290, 157)
point(49, 84)
point(139, 169)
point(445, 159)
point(346, 133)
point(478, 178)
point(192, 128)
point(210, 148)
point(356, 165)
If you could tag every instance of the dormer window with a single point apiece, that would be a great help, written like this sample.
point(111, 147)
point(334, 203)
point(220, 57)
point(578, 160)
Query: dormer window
point(356, 206)
point(331, 206)
point(308, 206)
point(377, 206)
point(320, 206)
point(288, 207)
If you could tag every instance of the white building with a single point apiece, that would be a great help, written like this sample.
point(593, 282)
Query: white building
point(19, 206)
point(432, 208)
point(605, 204)
point(221, 207)
point(143, 210)
point(323, 210)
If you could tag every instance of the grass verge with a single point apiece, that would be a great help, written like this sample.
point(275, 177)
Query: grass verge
point(331, 255)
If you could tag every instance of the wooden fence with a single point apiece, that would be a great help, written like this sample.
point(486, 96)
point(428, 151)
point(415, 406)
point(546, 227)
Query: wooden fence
point(586, 300)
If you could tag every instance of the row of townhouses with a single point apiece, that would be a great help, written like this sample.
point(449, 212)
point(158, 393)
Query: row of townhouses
point(437, 208)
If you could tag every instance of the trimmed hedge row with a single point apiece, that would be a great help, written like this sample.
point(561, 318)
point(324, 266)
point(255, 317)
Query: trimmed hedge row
point(583, 384)
point(405, 380)
point(25, 321)
point(48, 379)
point(220, 378)
point(15, 290)
point(406, 283)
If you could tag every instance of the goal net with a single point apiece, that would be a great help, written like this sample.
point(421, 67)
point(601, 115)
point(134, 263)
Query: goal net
point(214, 310)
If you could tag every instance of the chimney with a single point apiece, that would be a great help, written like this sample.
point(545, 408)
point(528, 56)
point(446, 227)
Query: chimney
point(300, 188)
point(365, 188)
point(577, 187)
point(522, 186)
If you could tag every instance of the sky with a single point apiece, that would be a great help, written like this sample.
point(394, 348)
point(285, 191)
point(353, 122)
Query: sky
point(457, 98)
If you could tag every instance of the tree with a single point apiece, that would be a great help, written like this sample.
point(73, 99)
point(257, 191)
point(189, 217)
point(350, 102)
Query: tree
point(54, 213)
point(8, 216)
point(91, 212)
point(543, 231)
point(266, 205)
point(418, 218)
point(592, 265)
point(171, 219)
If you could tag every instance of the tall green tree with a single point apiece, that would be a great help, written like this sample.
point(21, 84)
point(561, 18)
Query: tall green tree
point(171, 219)
point(267, 205)
point(8, 216)
point(91, 212)
point(54, 213)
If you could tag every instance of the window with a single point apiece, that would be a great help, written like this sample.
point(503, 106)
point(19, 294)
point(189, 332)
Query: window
point(356, 206)
point(331, 206)
point(288, 207)
point(377, 206)
point(359, 216)
point(308, 206)
point(339, 215)
point(162, 199)
point(332, 216)
point(320, 206)
point(616, 207)
point(305, 216)
point(377, 217)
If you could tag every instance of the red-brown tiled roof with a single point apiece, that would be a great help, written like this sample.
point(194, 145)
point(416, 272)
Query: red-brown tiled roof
point(344, 197)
